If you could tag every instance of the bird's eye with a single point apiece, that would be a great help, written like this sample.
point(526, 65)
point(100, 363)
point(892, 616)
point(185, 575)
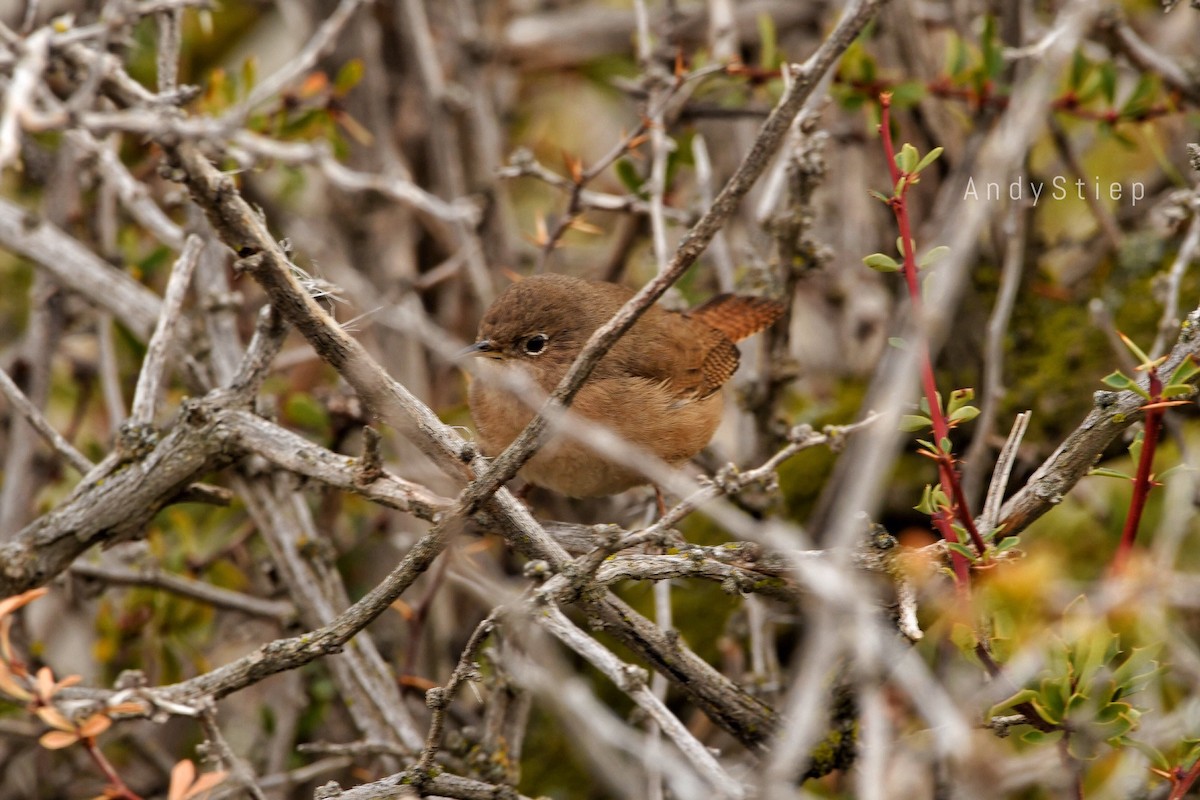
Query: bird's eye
point(536, 343)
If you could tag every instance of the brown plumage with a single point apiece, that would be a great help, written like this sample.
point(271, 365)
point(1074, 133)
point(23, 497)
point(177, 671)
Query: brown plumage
point(657, 386)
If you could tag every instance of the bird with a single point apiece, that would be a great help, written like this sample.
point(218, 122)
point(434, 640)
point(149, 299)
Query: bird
point(658, 386)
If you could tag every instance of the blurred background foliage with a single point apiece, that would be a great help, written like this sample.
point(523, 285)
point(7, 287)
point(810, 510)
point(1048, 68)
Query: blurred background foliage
point(573, 95)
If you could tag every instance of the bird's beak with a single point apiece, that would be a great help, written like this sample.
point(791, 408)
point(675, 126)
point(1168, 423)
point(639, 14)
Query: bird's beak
point(480, 348)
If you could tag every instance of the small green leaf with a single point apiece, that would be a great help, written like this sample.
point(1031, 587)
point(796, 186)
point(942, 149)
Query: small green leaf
point(906, 159)
point(1041, 737)
point(932, 256)
point(880, 196)
point(911, 423)
point(1023, 696)
point(1105, 472)
point(907, 94)
point(1186, 370)
point(1108, 80)
point(926, 505)
point(1162, 476)
point(946, 445)
point(348, 76)
point(1119, 380)
point(959, 398)
point(1007, 543)
point(768, 48)
point(993, 56)
point(957, 57)
point(929, 158)
point(1154, 755)
point(249, 74)
point(881, 263)
point(1141, 97)
point(897, 342)
point(961, 549)
point(1178, 390)
point(900, 245)
point(964, 414)
point(1133, 348)
point(627, 173)
point(1079, 69)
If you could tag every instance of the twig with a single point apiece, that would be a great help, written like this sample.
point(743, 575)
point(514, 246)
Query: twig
point(238, 768)
point(19, 95)
point(247, 143)
point(1001, 472)
point(17, 399)
point(301, 63)
point(993, 355)
point(632, 681)
point(149, 385)
point(170, 39)
point(280, 611)
point(438, 699)
point(1169, 323)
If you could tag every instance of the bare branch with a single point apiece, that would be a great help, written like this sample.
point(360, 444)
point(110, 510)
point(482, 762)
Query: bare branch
point(149, 385)
point(19, 402)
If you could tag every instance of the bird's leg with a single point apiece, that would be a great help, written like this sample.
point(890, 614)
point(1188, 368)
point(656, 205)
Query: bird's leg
point(660, 500)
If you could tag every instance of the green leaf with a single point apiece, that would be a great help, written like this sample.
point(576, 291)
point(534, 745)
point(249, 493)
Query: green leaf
point(881, 262)
point(1186, 370)
point(906, 159)
point(911, 423)
point(1154, 755)
point(627, 173)
point(1121, 381)
point(1108, 80)
point(1142, 96)
point(1007, 543)
point(932, 256)
point(1079, 69)
point(907, 94)
point(900, 245)
point(1105, 472)
point(897, 342)
point(961, 549)
point(1131, 345)
point(964, 414)
point(1041, 737)
point(348, 76)
point(1023, 696)
point(1162, 476)
point(946, 445)
point(1137, 670)
point(249, 74)
point(926, 506)
point(1177, 390)
point(959, 398)
point(768, 42)
point(880, 196)
point(993, 56)
point(957, 60)
point(929, 158)
point(1091, 88)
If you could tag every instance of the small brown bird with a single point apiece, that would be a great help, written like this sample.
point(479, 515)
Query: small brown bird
point(657, 387)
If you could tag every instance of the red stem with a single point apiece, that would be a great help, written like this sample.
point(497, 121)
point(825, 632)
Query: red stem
point(115, 784)
point(1180, 789)
point(947, 472)
point(1142, 481)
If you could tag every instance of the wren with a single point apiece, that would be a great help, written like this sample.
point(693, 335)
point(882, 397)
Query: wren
point(659, 385)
